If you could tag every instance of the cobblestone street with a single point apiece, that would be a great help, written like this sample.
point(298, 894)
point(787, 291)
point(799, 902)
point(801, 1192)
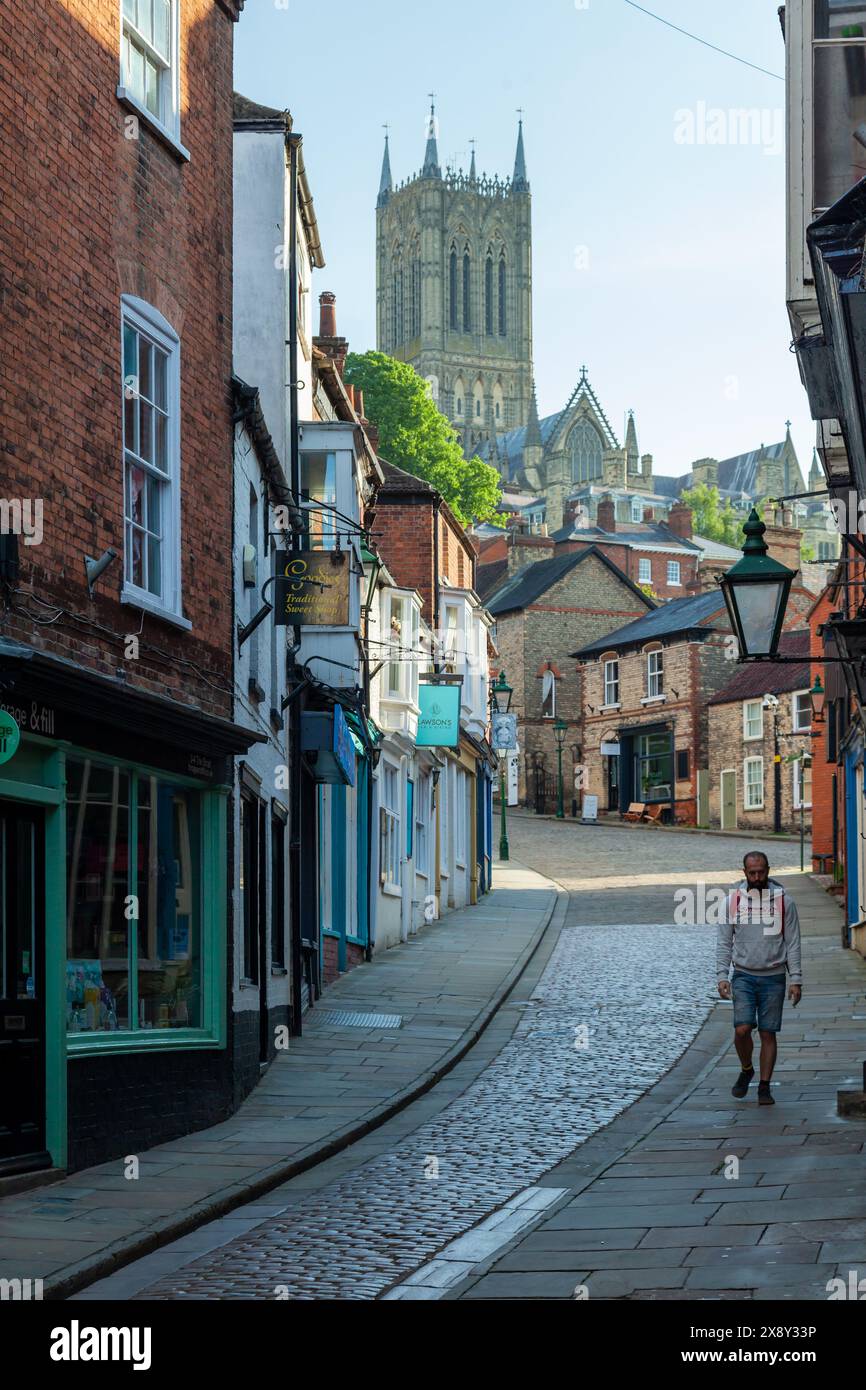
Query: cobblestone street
point(613, 999)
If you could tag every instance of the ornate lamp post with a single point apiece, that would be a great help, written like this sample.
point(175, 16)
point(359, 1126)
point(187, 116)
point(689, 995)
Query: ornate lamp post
point(756, 591)
point(560, 730)
point(500, 700)
point(818, 696)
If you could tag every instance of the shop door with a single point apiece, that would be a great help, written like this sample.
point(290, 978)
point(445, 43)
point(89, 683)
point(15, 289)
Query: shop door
point(22, 974)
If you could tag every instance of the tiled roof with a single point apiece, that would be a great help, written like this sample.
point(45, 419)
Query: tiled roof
point(533, 580)
point(768, 677)
point(398, 480)
point(681, 615)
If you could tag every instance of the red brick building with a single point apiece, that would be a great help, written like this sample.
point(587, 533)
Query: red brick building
point(116, 273)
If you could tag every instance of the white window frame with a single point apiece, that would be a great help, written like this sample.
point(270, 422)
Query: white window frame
point(461, 848)
point(675, 574)
point(148, 322)
point(611, 686)
point(747, 736)
point(644, 571)
point(637, 509)
point(797, 727)
point(749, 786)
point(655, 674)
point(800, 768)
point(422, 824)
point(390, 851)
point(167, 122)
point(548, 685)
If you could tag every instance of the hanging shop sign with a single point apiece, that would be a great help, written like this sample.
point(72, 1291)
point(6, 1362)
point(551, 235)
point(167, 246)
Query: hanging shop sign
point(327, 741)
point(439, 721)
point(10, 737)
point(505, 732)
point(611, 750)
point(312, 588)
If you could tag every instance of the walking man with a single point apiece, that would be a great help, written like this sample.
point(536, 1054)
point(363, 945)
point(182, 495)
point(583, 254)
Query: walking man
point(760, 936)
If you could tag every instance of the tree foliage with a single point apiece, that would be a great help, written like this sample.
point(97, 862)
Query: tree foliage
point(415, 436)
point(711, 519)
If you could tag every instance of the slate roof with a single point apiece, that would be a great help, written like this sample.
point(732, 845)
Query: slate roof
point(715, 550)
point(678, 617)
point(398, 480)
point(736, 476)
point(646, 533)
point(489, 577)
point(767, 677)
point(533, 580)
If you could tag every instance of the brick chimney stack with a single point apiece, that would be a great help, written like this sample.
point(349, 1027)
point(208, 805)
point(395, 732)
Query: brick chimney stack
point(649, 514)
point(606, 518)
point(328, 340)
point(680, 521)
point(784, 539)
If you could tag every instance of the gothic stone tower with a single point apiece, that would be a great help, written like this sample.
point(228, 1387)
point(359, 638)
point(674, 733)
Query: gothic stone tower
point(454, 288)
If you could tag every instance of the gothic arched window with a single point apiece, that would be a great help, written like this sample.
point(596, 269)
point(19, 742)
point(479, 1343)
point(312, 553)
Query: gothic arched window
point(503, 306)
point(452, 290)
point(586, 452)
point(467, 292)
point(415, 308)
point(488, 293)
point(397, 304)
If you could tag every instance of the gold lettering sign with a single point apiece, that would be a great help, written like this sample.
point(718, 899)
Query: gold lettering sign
point(312, 589)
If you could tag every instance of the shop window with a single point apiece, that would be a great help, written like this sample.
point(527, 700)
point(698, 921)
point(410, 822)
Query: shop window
point(390, 848)
point(278, 891)
point(134, 910)
point(655, 767)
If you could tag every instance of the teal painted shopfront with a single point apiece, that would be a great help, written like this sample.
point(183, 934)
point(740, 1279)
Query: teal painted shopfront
point(114, 873)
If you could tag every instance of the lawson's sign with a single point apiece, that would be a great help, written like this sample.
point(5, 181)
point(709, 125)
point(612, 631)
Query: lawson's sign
point(439, 721)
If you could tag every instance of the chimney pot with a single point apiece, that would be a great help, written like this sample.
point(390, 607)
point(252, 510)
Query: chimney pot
point(327, 314)
point(606, 518)
point(680, 521)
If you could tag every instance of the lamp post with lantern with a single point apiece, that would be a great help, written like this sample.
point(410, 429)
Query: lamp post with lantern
point(560, 731)
point(500, 703)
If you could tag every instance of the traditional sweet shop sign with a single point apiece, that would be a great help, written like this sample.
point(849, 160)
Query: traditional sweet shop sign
point(312, 589)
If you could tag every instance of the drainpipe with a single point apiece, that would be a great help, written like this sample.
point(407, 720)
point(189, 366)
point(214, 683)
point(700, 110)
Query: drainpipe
point(296, 708)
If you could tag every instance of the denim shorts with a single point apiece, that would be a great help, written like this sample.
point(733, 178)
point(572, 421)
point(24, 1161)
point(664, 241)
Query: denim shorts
point(758, 1001)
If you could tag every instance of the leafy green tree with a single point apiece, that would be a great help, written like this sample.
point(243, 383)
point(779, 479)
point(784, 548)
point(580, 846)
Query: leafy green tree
point(415, 436)
point(711, 519)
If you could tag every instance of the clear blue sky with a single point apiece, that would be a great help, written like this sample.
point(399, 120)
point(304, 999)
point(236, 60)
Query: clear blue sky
point(680, 311)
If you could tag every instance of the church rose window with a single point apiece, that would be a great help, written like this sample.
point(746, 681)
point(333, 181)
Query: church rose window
point(586, 452)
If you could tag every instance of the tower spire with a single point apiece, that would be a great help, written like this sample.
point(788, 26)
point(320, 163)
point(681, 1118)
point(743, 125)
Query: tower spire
point(386, 183)
point(472, 174)
point(520, 183)
point(431, 168)
point(631, 448)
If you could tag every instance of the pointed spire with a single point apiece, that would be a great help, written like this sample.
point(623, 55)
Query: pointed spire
point(520, 183)
point(472, 174)
point(533, 427)
point(631, 448)
point(431, 168)
point(386, 183)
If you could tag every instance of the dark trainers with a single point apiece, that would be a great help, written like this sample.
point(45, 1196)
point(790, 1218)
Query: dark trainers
point(743, 1083)
point(764, 1095)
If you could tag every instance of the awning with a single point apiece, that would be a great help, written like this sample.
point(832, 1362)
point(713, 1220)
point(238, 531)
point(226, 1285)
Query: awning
point(366, 735)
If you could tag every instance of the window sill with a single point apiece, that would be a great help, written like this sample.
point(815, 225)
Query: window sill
point(654, 700)
point(279, 972)
point(91, 1045)
point(608, 709)
point(155, 127)
point(392, 890)
point(135, 598)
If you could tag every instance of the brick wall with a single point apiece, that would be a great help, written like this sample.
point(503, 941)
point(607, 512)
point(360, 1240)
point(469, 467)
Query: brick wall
point(628, 560)
point(87, 215)
point(728, 749)
point(823, 770)
point(404, 533)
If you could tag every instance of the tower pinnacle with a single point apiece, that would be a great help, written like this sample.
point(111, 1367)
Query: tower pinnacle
point(386, 183)
point(520, 183)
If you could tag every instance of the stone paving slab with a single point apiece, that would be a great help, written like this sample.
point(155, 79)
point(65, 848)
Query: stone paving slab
point(447, 984)
point(794, 1219)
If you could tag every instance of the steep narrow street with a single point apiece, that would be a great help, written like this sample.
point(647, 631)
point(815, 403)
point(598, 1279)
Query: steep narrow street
point(616, 1006)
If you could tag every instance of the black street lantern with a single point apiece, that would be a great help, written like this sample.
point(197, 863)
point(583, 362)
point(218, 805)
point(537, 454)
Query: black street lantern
point(756, 591)
point(501, 693)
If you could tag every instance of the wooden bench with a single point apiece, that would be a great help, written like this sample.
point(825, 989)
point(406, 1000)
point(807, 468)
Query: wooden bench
point(635, 812)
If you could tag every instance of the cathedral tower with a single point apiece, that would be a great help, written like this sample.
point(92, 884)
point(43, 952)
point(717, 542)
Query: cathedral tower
point(454, 287)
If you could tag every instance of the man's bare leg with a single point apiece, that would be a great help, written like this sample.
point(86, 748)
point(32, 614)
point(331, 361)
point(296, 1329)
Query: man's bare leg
point(769, 1052)
point(744, 1045)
